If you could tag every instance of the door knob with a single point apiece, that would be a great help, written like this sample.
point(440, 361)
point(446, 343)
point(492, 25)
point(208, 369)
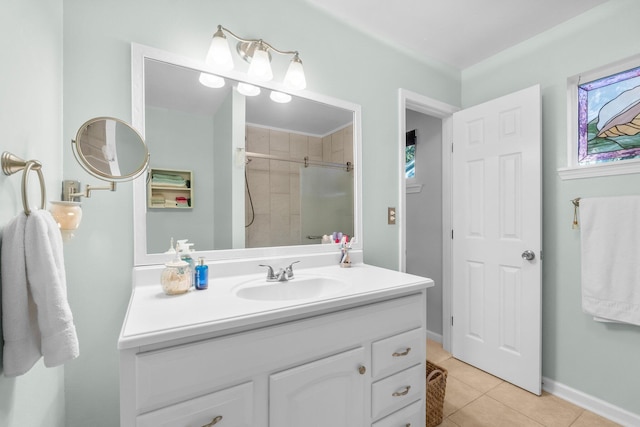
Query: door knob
point(528, 255)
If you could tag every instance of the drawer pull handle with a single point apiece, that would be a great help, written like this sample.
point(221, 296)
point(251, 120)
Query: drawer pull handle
point(404, 353)
point(403, 392)
point(362, 369)
point(214, 421)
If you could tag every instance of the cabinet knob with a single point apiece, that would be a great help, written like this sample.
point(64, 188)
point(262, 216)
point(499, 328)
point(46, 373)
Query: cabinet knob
point(362, 369)
point(403, 392)
point(214, 421)
point(404, 353)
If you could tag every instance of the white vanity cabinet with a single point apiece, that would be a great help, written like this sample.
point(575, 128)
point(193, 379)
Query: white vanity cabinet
point(357, 362)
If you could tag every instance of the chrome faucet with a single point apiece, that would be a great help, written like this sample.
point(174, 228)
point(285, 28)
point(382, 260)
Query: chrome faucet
point(283, 274)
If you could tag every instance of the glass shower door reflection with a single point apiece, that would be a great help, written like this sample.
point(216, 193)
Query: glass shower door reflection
point(326, 203)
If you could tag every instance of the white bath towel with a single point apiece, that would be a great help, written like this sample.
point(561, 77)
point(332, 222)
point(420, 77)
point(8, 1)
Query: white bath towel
point(610, 234)
point(48, 285)
point(19, 324)
point(36, 318)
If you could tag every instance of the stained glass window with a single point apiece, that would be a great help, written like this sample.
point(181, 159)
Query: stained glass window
point(609, 118)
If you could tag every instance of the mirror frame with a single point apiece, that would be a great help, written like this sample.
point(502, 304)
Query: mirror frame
point(93, 171)
point(140, 258)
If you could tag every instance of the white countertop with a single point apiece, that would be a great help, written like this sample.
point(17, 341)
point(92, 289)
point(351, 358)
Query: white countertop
point(153, 317)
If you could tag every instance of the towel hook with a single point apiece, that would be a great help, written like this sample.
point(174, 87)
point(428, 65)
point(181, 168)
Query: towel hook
point(12, 164)
point(576, 205)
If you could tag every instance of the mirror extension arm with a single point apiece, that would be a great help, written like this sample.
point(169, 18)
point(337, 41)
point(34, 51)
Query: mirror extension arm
point(70, 190)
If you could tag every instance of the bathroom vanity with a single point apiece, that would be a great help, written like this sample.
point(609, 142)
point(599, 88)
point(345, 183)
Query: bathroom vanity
point(332, 347)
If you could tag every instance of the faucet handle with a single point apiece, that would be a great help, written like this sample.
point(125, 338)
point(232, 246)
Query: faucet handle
point(270, 274)
point(289, 269)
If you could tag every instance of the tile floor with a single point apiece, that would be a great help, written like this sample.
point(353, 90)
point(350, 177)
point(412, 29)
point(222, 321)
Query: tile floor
point(474, 398)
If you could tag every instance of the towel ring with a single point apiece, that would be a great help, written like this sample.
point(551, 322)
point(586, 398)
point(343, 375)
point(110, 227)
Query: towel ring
point(12, 164)
point(37, 166)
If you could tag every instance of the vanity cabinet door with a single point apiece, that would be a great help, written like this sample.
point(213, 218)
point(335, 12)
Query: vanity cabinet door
point(326, 392)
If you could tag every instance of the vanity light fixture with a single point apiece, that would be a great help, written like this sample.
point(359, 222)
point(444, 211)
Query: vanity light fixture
point(257, 53)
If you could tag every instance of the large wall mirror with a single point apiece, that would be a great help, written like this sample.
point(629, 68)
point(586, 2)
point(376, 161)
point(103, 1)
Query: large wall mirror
point(240, 176)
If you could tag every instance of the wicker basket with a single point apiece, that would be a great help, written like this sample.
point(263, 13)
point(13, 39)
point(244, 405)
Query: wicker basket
point(436, 387)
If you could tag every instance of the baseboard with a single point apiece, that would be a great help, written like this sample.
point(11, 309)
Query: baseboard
point(593, 404)
point(434, 337)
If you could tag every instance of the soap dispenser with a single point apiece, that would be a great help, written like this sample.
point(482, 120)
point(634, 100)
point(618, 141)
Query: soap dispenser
point(184, 251)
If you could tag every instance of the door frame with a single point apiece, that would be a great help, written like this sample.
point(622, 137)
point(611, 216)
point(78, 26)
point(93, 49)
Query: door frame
point(431, 107)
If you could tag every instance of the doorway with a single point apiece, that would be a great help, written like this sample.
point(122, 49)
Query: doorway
point(431, 114)
point(497, 301)
point(424, 210)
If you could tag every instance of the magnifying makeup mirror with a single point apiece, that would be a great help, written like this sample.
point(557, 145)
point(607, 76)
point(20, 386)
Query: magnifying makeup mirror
point(108, 149)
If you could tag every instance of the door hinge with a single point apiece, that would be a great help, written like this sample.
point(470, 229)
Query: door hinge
point(451, 320)
point(541, 256)
point(452, 147)
point(451, 234)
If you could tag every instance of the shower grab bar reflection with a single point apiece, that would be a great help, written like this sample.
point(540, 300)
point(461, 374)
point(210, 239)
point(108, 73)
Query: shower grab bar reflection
point(12, 164)
point(348, 166)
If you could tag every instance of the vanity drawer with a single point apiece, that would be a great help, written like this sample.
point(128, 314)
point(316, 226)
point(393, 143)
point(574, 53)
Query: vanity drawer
point(411, 416)
point(398, 352)
point(232, 407)
point(397, 391)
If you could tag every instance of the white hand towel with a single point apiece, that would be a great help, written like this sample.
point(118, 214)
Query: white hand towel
point(610, 234)
point(48, 285)
point(19, 325)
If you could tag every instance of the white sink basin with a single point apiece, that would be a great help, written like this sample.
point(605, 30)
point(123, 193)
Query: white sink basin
point(296, 288)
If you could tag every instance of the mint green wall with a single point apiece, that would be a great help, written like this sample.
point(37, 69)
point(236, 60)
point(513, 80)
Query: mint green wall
point(97, 81)
point(31, 128)
point(597, 359)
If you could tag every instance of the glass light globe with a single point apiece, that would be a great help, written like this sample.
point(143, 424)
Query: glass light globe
point(211, 80)
point(248, 90)
point(280, 97)
point(260, 66)
point(219, 54)
point(295, 78)
point(68, 216)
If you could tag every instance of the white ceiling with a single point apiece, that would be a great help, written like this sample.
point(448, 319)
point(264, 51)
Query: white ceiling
point(459, 33)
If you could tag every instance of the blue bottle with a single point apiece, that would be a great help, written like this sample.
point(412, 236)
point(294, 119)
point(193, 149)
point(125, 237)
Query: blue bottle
point(202, 275)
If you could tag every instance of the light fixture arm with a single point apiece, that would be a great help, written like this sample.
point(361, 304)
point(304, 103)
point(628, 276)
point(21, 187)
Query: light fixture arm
point(259, 41)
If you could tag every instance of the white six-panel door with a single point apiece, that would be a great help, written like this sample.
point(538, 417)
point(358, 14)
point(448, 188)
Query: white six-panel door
point(497, 218)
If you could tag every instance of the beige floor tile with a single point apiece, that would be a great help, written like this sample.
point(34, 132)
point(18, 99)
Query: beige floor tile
point(487, 412)
point(589, 419)
point(447, 423)
point(546, 409)
point(435, 352)
point(474, 377)
point(458, 395)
